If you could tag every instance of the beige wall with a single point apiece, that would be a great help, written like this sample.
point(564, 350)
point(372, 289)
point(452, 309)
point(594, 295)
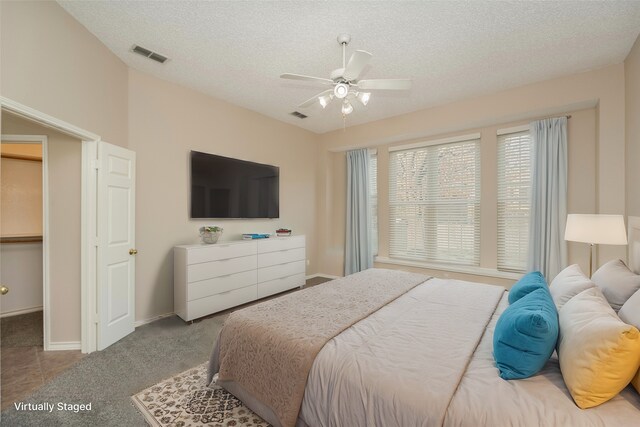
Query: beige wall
point(64, 163)
point(632, 111)
point(596, 164)
point(171, 120)
point(50, 62)
point(20, 197)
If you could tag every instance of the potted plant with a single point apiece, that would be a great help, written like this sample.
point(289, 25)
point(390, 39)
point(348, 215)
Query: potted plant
point(210, 234)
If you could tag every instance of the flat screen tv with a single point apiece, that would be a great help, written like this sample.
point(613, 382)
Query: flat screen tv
point(222, 187)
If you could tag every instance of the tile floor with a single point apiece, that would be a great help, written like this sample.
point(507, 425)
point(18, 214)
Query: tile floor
point(24, 366)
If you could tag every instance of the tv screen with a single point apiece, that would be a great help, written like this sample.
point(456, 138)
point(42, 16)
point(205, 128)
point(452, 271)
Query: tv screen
point(222, 187)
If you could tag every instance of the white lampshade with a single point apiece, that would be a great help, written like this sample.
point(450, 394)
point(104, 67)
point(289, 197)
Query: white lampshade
point(364, 97)
point(596, 229)
point(347, 108)
point(325, 100)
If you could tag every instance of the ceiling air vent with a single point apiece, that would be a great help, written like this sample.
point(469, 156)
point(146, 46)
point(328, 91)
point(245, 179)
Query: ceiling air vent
point(149, 54)
point(299, 115)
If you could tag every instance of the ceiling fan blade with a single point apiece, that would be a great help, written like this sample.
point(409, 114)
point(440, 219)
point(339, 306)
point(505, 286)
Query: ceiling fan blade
point(356, 64)
point(314, 99)
point(385, 84)
point(307, 78)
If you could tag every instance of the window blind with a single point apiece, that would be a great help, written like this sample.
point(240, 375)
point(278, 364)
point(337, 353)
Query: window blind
point(434, 203)
point(514, 200)
point(373, 196)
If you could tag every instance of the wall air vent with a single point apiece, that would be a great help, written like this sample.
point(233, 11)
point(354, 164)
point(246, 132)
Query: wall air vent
point(149, 54)
point(299, 115)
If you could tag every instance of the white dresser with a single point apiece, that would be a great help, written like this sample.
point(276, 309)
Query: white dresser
point(212, 278)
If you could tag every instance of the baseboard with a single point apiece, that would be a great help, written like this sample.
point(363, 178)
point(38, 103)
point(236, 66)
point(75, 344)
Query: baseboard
point(22, 311)
point(62, 345)
point(152, 319)
point(325, 276)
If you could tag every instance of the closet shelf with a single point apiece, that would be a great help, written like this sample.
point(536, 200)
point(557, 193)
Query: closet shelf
point(20, 239)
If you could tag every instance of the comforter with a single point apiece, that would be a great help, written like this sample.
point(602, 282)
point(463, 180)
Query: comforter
point(269, 348)
point(425, 359)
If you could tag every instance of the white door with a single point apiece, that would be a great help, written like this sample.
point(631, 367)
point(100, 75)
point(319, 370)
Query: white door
point(116, 243)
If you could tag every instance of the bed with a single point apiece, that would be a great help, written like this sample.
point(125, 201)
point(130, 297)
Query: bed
point(419, 355)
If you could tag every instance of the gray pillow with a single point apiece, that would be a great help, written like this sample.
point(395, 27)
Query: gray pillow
point(616, 282)
point(630, 311)
point(569, 283)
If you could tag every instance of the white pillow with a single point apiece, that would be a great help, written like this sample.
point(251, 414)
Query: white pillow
point(630, 313)
point(569, 283)
point(616, 282)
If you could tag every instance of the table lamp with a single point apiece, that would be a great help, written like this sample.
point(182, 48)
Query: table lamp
point(595, 229)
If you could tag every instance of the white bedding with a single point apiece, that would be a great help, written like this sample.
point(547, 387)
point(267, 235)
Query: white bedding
point(426, 360)
point(483, 398)
point(402, 364)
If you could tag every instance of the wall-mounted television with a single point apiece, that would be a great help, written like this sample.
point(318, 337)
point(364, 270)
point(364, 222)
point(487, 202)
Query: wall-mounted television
point(222, 187)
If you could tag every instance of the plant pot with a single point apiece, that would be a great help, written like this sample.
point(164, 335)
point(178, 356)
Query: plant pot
point(210, 237)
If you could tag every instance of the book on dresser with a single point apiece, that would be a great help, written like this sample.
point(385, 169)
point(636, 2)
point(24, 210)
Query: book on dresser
point(212, 278)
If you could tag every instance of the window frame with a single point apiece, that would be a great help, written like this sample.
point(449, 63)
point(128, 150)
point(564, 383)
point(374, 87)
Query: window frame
point(508, 264)
point(428, 227)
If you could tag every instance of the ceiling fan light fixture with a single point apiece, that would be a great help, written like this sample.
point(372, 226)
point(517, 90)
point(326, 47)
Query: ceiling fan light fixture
point(341, 90)
point(364, 97)
point(346, 83)
point(324, 100)
point(347, 108)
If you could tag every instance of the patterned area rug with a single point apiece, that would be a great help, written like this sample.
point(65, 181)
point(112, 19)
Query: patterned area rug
point(185, 400)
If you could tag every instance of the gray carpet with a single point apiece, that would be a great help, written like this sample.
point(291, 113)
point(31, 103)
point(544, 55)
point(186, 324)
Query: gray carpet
point(110, 377)
point(24, 330)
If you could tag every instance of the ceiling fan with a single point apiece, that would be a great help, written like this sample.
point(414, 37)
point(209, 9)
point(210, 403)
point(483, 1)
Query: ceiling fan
point(346, 81)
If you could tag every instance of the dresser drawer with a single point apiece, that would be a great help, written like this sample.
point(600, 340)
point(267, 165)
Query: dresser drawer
point(280, 243)
point(280, 270)
point(220, 251)
point(280, 285)
point(280, 257)
point(205, 288)
point(209, 270)
point(214, 303)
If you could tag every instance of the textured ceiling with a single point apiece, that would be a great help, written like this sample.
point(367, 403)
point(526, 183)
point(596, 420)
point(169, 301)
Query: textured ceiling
point(236, 50)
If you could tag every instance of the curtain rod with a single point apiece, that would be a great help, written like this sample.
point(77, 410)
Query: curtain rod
point(568, 116)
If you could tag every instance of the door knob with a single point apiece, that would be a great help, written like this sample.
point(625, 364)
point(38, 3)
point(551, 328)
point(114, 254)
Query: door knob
point(3, 290)
point(133, 251)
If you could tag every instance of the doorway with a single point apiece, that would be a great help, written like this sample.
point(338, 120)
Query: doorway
point(24, 270)
point(96, 315)
point(23, 227)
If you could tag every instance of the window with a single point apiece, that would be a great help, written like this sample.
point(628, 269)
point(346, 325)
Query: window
point(514, 200)
point(434, 202)
point(373, 197)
